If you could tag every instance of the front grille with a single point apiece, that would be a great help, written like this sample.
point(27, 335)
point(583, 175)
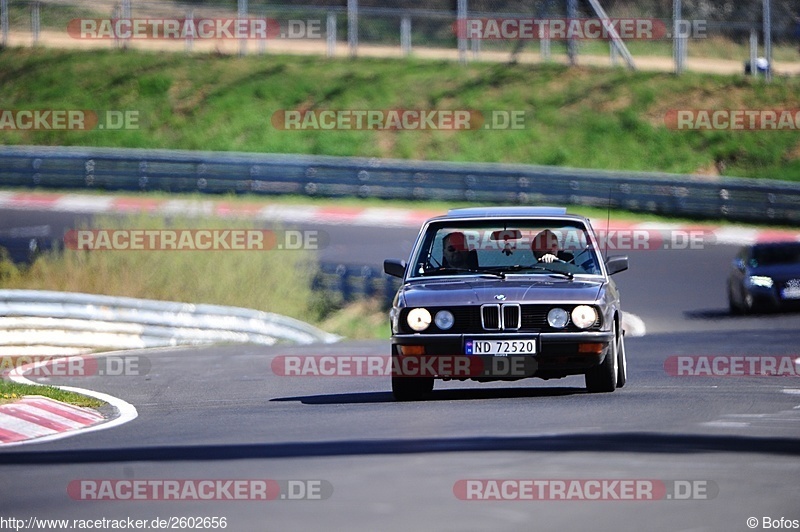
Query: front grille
point(490, 317)
point(511, 317)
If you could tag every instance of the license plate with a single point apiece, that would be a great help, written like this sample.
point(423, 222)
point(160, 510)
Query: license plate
point(500, 347)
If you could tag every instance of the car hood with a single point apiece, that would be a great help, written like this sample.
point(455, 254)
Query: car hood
point(477, 291)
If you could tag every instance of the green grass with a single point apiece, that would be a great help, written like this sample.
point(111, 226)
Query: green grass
point(582, 117)
point(11, 391)
point(270, 280)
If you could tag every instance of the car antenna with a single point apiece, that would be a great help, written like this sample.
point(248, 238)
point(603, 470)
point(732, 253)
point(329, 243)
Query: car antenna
point(608, 226)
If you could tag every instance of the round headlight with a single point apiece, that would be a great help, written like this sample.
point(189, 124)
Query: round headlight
point(583, 316)
point(557, 318)
point(419, 319)
point(444, 319)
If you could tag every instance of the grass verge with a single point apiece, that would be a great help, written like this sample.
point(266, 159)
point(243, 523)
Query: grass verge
point(270, 280)
point(11, 391)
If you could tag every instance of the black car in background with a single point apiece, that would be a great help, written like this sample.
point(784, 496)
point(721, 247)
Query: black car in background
point(765, 277)
point(506, 293)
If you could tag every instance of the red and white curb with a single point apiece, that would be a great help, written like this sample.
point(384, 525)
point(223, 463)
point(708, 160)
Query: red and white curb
point(35, 416)
point(45, 419)
point(333, 215)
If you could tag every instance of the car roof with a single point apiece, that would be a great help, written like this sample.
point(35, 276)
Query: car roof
point(509, 212)
point(775, 244)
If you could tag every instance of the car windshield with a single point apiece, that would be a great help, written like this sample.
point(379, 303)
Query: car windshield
point(773, 254)
point(502, 247)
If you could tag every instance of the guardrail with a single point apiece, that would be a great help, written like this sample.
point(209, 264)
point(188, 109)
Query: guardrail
point(736, 199)
point(68, 319)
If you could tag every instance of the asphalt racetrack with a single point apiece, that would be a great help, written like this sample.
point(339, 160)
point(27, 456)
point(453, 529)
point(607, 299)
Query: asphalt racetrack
point(667, 452)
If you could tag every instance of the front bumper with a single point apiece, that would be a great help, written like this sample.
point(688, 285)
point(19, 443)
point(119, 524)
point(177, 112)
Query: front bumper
point(557, 354)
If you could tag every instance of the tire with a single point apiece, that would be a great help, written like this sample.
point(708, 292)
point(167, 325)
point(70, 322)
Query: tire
point(622, 372)
point(749, 304)
point(733, 307)
point(411, 388)
point(603, 378)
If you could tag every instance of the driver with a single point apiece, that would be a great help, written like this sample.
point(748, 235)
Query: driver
point(545, 248)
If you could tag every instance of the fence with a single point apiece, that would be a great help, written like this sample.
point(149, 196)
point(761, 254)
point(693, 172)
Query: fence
point(345, 283)
point(727, 34)
point(748, 200)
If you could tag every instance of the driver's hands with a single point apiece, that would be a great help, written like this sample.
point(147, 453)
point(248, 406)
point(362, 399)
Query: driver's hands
point(548, 258)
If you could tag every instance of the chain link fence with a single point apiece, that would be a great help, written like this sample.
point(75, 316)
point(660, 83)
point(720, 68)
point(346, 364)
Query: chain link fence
point(703, 35)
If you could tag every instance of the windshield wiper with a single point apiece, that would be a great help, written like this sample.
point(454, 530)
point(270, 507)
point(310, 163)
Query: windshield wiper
point(545, 268)
point(484, 273)
point(538, 266)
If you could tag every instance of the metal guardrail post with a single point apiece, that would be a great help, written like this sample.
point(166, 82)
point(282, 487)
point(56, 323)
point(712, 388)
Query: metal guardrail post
point(189, 34)
point(331, 34)
point(677, 54)
point(768, 39)
point(544, 43)
point(461, 28)
point(35, 21)
point(263, 41)
point(242, 15)
point(405, 34)
point(753, 52)
point(572, 46)
point(352, 27)
point(125, 14)
point(4, 22)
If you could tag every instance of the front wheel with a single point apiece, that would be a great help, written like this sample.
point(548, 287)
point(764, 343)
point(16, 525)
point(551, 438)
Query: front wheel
point(603, 378)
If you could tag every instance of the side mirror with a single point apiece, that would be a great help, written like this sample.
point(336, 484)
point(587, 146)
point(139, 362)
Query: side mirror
point(394, 267)
point(616, 264)
point(738, 264)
